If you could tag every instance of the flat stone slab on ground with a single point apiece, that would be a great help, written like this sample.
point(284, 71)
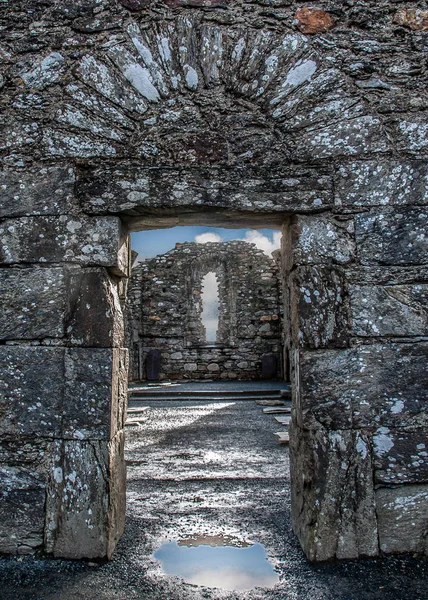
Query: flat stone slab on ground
point(283, 420)
point(283, 437)
point(277, 410)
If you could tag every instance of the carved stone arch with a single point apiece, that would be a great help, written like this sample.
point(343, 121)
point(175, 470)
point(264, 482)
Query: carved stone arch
point(217, 124)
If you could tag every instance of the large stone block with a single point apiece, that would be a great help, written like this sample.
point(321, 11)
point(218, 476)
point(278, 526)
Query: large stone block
point(400, 310)
point(92, 407)
point(80, 306)
point(384, 385)
point(403, 518)
point(319, 307)
point(94, 314)
point(333, 507)
point(126, 188)
point(358, 136)
point(43, 191)
point(85, 504)
point(382, 183)
point(33, 302)
point(392, 237)
point(400, 455)
point(31, 391)
point(24, 465)
point(83, 240)
point(53, 392)
point(319, 239)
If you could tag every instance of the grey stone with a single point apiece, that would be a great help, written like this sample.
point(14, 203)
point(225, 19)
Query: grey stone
point(79, 240)
point(343, 138)
point(33, 303)
point(24, 466)
point(392, 237)
point(322, 240)
point(389, 310)
point(43, 191)
point(412, 135)
point(333, 504)
point(382, 183)
point(84, 507)
point(125, 189)
point(319, 311)
point(403, 518)
point(94, 315)
point(400, 455)
point(92, 387)
point(31, 391)
point(385, 384)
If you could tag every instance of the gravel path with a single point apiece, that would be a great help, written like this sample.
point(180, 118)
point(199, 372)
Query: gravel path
point(208, 468)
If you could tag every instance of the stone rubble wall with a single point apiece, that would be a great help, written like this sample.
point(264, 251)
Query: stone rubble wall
point(165, 308)
point(130, 114)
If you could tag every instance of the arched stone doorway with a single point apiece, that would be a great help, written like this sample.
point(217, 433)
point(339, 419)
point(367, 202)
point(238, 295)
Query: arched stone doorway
point(185, 120)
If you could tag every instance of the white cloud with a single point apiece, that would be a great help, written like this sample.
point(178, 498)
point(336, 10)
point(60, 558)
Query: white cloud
point(262, 242)
point(203, 238)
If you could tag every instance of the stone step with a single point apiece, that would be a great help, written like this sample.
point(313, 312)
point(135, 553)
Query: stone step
point(184, 398)
point(136, 410)
point(282, 391)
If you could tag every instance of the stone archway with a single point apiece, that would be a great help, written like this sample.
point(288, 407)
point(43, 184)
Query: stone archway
point(174, 118)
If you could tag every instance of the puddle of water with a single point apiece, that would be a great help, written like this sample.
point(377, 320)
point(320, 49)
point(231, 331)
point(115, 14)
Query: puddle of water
point(218, 562)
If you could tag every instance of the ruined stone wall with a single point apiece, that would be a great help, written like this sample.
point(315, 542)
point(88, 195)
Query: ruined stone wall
point(165, 312)
point(139, 114)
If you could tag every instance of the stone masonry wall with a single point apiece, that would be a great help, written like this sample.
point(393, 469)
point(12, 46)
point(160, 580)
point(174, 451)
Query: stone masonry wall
point(164, 307)
point(130, 114)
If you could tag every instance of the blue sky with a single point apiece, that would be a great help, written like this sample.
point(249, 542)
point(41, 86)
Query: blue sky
point(158, 241)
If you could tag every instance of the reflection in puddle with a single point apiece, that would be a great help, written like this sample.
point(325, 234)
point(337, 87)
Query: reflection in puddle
point(218, 562)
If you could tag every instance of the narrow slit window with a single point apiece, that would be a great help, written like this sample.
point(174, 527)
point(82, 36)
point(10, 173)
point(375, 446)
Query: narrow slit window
point(210, 306)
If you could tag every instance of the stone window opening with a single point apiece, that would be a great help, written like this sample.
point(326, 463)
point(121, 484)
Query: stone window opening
point(210, 304)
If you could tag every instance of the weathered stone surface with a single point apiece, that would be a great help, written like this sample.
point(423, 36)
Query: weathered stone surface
point(355, 388)
point(80, 306)
point(319, 310)
point(135, 4)
point(44, 191)
point(31, 390)
point(392, 237)
point(322, 240)
point(62, 239)
point(313, 20)
point(84, 509)
point(333, 504)
point(413, 18)
point(345, 138)
point(23, 471)
point(375, 183)
point(403, 518)
point(50, 392)
point(92, 387)
point(389, 310)
point(412, 135)
point(94, 315)
point(33, 302)
point(400, 456)
point(123, 189)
